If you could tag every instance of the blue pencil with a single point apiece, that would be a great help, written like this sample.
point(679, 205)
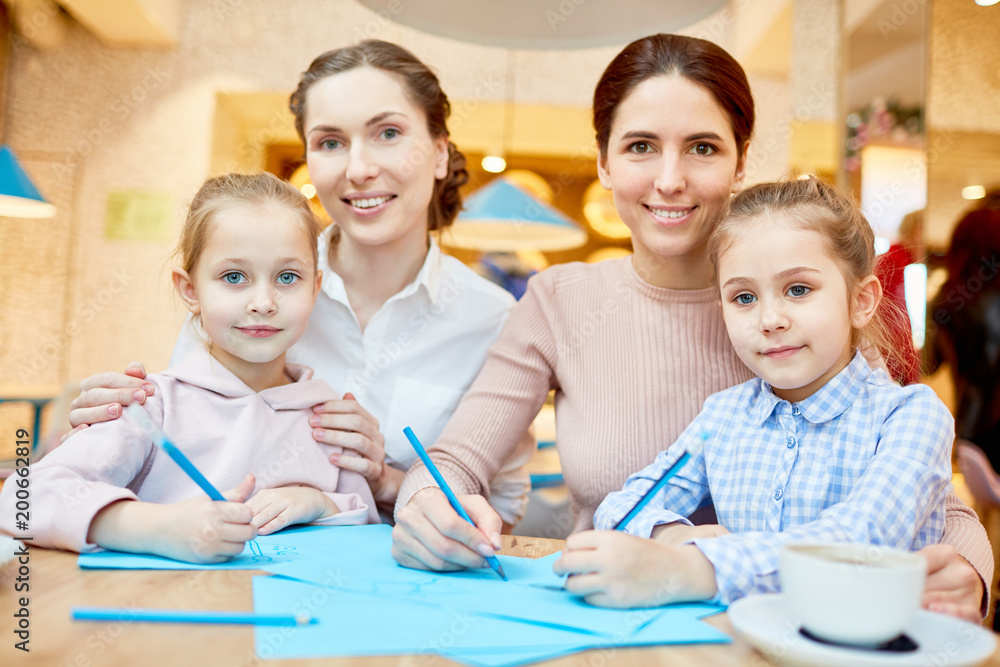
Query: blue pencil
point(660, 483)
point(188, 616)
point(160, 438)
point(452, 500)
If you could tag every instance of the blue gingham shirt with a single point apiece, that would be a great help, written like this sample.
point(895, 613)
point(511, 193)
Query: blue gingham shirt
point(861, 460)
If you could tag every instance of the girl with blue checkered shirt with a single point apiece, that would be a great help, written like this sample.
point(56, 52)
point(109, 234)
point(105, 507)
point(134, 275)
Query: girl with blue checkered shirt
point(822, 446)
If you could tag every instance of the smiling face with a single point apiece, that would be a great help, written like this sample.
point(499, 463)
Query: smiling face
point(372, 158)
point(254, 286)
point(671, 164)
point(787, 306)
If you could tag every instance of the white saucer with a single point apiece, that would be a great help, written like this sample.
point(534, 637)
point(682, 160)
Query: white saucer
point(766, 622)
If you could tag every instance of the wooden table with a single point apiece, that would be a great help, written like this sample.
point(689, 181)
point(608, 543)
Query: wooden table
point(56, 641)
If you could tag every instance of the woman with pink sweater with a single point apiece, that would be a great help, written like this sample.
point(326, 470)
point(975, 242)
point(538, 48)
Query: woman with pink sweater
point(632, 347)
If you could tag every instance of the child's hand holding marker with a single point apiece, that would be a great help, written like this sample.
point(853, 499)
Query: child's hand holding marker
point(200, 530)
point(197, 530)
point(609, 568)
point(613, 569)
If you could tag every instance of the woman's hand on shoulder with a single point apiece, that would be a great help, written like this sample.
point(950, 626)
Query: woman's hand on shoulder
point(347, 424)
point(274, 509)
point(613, 569)
point(103, 396)
point(430, 535)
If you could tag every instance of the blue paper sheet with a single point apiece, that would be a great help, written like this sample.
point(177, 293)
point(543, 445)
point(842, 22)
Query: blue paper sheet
point(533, 592)
point(676, 625)
point(360, 624)
point(285, 546)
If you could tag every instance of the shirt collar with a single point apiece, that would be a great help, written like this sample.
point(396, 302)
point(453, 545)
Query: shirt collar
point(829, 402)
point(201, 369)
point(429, 276)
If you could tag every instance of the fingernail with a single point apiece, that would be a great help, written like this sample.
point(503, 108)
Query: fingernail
point(317, 433)
point(317, 408)
point(314, 420)
point(114, 410)
point(497, 541)
point(485, 550)
point(148, 388)
point(138, 395)
point(335, 458)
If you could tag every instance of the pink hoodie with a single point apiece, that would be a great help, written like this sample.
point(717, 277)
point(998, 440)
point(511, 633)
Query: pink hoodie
point(225, 428)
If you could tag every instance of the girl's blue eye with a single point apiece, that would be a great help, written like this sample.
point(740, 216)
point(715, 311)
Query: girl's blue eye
point(233, 277)
point(798, 290)
point(329, 144)
point(287, 278)
point(390, 133)
point(744, 299)
point(703, 149)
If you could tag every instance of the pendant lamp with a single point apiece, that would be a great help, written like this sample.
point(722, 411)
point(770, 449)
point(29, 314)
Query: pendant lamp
point(19, 198)
point(500, 216)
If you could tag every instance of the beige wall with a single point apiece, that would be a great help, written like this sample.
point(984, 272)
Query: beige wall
point(963, 109)
point(87, 119)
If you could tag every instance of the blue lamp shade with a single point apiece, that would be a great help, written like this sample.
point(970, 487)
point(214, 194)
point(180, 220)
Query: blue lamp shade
point(19, 198)
point(502, 217)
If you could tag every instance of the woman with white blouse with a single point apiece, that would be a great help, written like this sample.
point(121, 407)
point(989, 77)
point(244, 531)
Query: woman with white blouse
point(399, 327)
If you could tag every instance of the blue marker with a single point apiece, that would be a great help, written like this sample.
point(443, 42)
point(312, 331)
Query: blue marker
point(693, 448)
point(422, 453)
point(188, 616)
point(160, 438)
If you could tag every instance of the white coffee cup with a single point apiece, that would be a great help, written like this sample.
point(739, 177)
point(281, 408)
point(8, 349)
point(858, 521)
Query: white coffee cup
point(858, 594)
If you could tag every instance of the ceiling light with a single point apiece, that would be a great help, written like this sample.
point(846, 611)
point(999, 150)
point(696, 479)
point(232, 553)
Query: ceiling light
point(974, 191)
point(494, 164)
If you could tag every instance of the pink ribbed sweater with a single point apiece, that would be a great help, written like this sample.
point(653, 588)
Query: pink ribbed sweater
point(631, 365)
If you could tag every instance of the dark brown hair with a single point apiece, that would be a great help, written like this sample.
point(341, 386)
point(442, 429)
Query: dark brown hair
point(975, 240)
point(850, 239)
point(422, 88)
point(697, 60)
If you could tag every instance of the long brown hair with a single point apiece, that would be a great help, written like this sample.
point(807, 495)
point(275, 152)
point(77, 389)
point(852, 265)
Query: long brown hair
point(696, 60)
point(422, 87)
point(822, 208)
